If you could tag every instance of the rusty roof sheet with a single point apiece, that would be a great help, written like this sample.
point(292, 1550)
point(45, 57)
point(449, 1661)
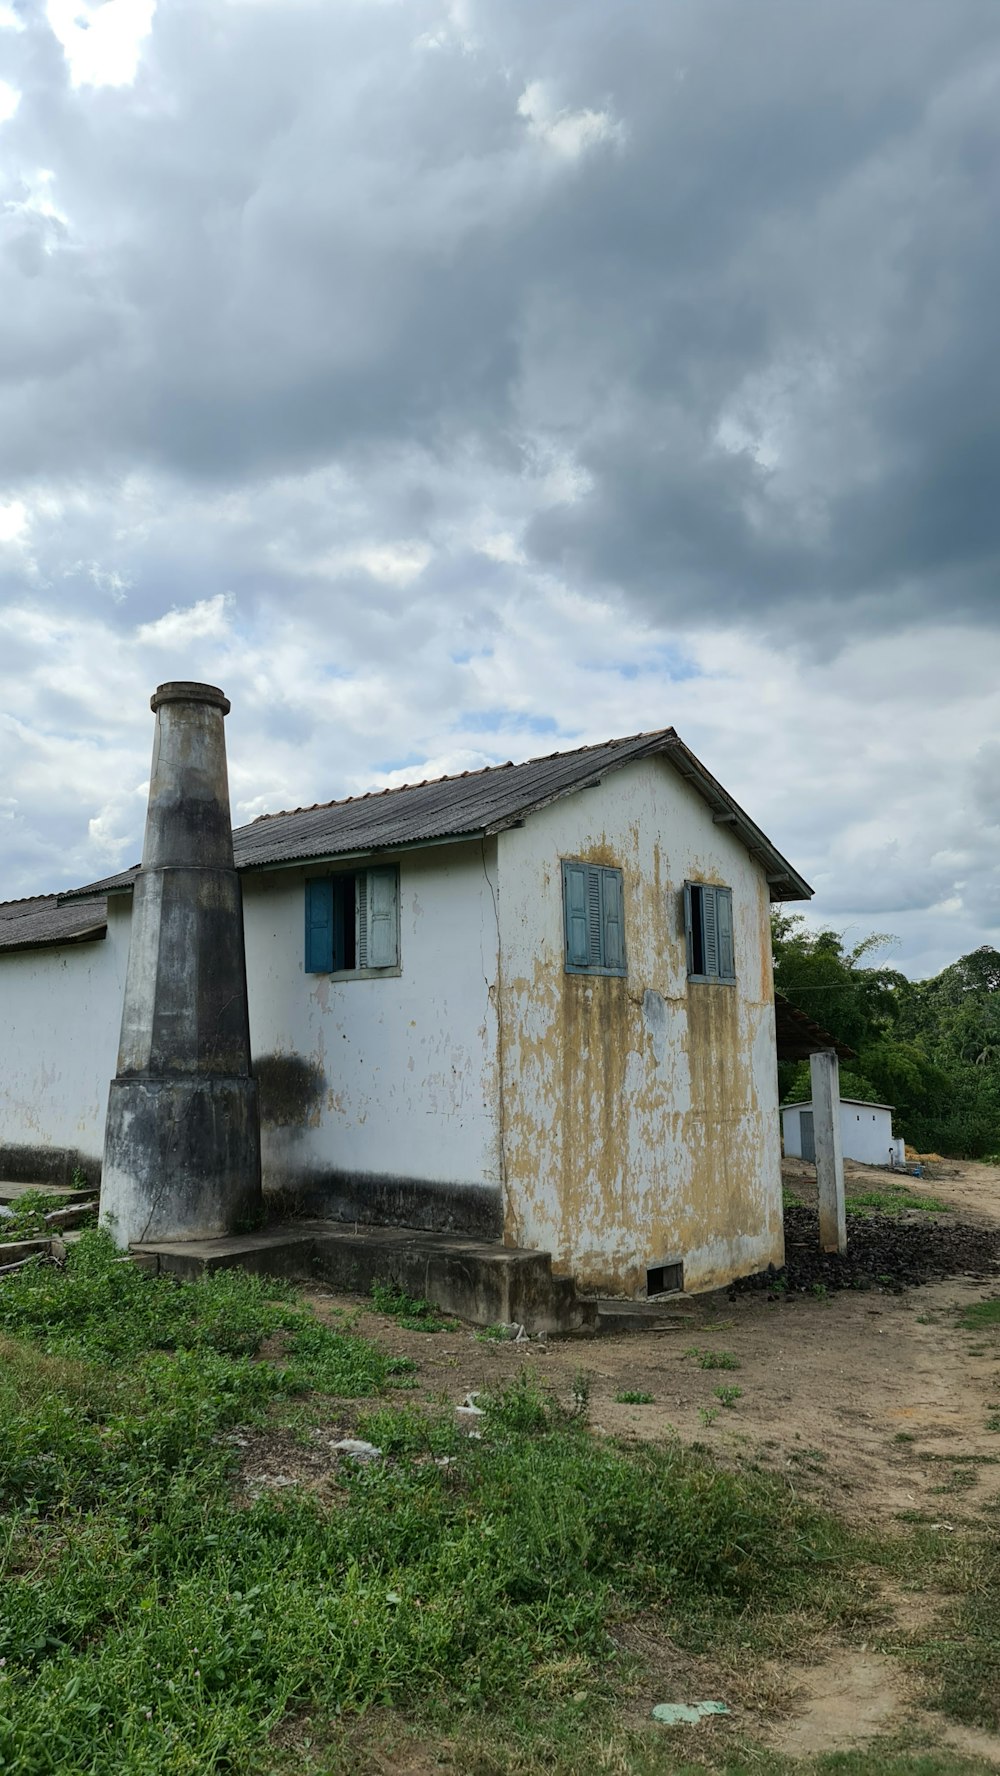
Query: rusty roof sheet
point(42, 922)
point(473, 805)
point(798, 1037)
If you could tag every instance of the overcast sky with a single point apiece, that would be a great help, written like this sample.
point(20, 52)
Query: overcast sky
point(459, 382)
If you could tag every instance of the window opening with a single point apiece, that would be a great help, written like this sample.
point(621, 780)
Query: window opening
point(593, 911)
point(708, 923)
point(665, 1279)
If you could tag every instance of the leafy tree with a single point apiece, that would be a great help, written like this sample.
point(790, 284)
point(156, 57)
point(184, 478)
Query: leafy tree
point(930, 1048)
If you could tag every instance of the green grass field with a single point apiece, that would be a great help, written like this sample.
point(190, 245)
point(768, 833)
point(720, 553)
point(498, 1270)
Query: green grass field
point(156, 1616)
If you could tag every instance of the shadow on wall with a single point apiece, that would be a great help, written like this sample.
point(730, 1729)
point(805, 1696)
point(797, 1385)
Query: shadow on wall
point(47, 1165)
point(290, 1090)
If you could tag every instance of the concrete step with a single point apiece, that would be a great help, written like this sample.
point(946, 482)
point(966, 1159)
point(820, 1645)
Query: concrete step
point(666, 1313)
point(15, 1251)
point(485, 1283)
point(12, 1193)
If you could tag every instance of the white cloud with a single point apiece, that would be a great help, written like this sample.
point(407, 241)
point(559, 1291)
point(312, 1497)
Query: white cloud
point(13, 520)
point(461, 380)
point(10, 98)
point(209, 618)
point(101, 39)
point(568, 133)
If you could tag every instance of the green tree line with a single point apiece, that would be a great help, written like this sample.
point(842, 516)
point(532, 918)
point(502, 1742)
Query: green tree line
point(930, 1048)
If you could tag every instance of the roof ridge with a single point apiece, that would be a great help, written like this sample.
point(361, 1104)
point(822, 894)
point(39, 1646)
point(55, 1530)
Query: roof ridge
point(23, 899)
point(457, 776)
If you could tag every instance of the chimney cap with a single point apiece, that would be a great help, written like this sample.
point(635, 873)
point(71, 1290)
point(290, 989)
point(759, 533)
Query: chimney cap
point(185, 691)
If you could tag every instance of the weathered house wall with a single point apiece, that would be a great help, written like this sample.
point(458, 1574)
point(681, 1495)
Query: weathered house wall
point(378, 1096)
point(639, 1114)
point(60, 1015)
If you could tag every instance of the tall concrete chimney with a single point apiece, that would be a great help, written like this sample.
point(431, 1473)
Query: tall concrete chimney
point(182, 1139)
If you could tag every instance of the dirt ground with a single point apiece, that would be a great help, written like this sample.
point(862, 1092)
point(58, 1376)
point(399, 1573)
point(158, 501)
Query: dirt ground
point(876, 1404)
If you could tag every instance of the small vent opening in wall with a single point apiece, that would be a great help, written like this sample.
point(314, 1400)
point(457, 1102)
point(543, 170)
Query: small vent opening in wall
point(664, 1279)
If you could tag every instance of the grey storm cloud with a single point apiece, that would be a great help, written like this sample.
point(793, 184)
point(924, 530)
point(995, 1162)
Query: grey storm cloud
point(463, 378)
point(758, 313)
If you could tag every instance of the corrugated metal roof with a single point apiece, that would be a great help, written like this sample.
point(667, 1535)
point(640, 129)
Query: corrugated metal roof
point(473, 805)
point(797, 1036)
point(857, 1103)
point(42, 922)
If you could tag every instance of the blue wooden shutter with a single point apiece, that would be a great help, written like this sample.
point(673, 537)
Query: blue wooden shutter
point(724, 911)
point(383, 944)
point(319, 925)
point(709, 933)
point(361, 920)
point(595, 934)
point(343, 906)
point(575, 914)
point(613, 921)
point(689, 923)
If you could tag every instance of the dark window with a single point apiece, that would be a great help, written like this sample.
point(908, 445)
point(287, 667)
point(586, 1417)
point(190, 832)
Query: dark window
point(708, 924)
point(352, 922)
point(593, 910)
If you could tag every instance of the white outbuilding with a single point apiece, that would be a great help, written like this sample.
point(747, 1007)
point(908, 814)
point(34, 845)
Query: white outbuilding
point(866, 1133)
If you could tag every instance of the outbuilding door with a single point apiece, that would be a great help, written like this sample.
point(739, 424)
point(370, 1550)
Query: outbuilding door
point(807, 1137)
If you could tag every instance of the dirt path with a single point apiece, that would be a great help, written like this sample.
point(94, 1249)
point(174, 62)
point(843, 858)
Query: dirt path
point(877, 1405)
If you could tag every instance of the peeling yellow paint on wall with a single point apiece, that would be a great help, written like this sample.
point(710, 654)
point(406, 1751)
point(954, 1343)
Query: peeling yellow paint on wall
point(640, 1113)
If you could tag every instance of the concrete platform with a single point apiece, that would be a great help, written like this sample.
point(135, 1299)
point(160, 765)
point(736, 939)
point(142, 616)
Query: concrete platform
point(481, 1282)
point(11, 1192)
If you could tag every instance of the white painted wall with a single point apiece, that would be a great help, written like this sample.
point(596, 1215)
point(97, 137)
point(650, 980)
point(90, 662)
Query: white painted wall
point(406, 1063)
point(639, 1115)
point(632, 1121)
point(866, 1132)
point(60, 1016)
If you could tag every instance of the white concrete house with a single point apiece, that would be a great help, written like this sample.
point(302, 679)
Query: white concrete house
point(533, 1003)
point(865, 1132)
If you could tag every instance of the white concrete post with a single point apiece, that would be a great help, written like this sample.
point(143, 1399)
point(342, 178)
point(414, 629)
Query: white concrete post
point(825, 1070)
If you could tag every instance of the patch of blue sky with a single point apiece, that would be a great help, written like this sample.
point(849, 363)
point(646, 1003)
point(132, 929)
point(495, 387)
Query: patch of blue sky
point(485, 721)
point(464, 655)
point(403, 763)
point(662, 662)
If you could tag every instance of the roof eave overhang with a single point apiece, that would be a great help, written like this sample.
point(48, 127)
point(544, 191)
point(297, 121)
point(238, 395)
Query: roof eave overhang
point(93, 934)
point(783, 882)
point(363, 854)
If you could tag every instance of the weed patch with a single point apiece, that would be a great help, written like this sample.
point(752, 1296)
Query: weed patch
point(965, 1658)
point(26, 1219)
point(981, 1316)
point(728, 1396)
point(709, 1359)
point(412, 1313)
point(892, 1199)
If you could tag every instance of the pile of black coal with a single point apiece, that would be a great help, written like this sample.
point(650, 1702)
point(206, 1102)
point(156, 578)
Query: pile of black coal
point(888, 1252)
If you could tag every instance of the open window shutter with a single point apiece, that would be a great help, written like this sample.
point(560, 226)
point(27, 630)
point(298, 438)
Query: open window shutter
point(575, 913)
point(724, 911)
point(319, 925)
point(710, 932)
point(689, 924)
point(341, 912)
point(595, 946)
point(361, 915)
point(383, 945)
point(614, 925)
